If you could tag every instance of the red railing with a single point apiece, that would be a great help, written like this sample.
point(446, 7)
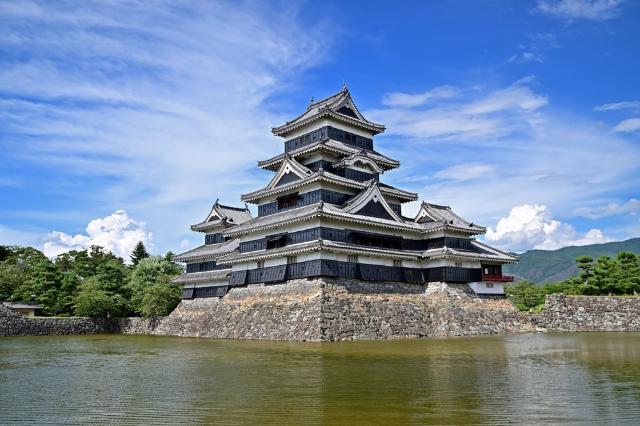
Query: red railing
point(497, 278)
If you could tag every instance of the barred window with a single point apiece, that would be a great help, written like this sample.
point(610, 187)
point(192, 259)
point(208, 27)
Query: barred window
point(352, 258)
point(292, 259)
point(397, 263)
point(260, 264)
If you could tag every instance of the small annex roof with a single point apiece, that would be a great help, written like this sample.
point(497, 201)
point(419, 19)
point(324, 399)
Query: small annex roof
point(222, 216)
point(208, 251)
point(339, 106)
point(325, 176)
point(481, 252)
point(434, 214)
point(20, 305)
point(371, 202)
point(199, 277)
point(360, 159)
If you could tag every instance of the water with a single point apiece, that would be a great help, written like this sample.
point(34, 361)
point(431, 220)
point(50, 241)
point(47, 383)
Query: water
point(580, 378)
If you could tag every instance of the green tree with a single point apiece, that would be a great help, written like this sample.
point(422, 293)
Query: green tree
point(159, 299)
point(139, 253)
point(150, 271)
point(92, 301)
point(11, 277)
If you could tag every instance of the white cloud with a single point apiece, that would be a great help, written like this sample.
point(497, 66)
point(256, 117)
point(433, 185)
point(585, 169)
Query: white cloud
point(467, 171)
point(632, 206)
point(532, 226)
point(117, 233)
point(479, 115)
point(597, 10)
point(413, 100)
point(524, 57)
point(635, 105)
point(160, 107)
point(627, 126)
point(535, 153)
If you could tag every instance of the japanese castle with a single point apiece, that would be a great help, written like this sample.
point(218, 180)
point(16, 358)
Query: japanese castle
point(326, 213)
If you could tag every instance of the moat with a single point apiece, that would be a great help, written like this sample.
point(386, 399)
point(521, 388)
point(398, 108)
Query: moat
point(569, 378)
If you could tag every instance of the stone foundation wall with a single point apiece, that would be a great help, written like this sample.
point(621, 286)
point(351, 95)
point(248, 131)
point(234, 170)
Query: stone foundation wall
point(14, 324)
point(309, 309)
point(337, 309)
point(590, 313)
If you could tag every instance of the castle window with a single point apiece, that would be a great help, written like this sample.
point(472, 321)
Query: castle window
point(288, 201)
point(260, 264)
point(489, 285)
point(276, 241)
point(458, 264)
point(292, 259)
point(352, 258)
point(397, 263)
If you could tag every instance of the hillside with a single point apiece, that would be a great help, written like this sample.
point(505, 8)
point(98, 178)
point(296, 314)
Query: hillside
point(541, 266)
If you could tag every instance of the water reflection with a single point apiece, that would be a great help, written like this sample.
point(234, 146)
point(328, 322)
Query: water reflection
point(534, 378)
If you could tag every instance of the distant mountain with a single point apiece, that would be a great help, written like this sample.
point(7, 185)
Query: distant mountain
point(543, 266)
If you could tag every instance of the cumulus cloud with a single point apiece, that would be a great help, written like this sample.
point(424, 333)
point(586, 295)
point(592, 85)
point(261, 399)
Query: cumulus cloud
point(533, 226)
point(596, 10)
point(627, 126)
point(632, 206)
point(117, 233)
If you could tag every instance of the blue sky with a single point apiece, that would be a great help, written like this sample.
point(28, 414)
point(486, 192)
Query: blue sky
point(125, 121)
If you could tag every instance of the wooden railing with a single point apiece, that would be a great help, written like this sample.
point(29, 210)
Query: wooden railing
point(497, 278)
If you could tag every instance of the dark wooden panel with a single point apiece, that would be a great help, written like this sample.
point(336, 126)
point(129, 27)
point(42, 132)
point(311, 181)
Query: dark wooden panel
point(187, 293)
point(238, 278)
point(413, 275)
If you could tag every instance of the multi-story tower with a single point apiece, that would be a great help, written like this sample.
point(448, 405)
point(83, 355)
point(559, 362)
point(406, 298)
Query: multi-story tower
point(326, 213)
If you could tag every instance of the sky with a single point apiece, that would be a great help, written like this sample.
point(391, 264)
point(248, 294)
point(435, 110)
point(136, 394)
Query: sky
point(124, 121)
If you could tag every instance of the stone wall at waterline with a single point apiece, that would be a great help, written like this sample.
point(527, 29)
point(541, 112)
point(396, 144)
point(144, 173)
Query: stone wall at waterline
point(14, 324)
point(590, 313)
point(337, 309)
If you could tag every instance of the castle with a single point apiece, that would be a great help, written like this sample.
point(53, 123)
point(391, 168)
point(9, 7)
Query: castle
point(326, 213)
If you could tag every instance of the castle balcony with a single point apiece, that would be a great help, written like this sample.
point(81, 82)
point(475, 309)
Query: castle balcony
point(497, 278)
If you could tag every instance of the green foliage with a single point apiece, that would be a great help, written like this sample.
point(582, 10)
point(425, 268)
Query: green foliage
point(92, 301)
point(605, 276)
point(150, 271)
point(159, 299)
point(91, 282)
point(139, 253)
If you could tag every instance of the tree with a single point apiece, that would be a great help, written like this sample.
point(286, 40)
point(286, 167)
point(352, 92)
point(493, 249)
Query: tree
point(159, 299)
point(11, 277)
point(139, 253)
point(92, 301)
point(150, 271)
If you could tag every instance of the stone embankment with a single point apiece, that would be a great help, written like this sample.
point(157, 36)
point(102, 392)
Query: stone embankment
point(14, 324)
point(590, 313)
point(318, 309)
point(337, 309)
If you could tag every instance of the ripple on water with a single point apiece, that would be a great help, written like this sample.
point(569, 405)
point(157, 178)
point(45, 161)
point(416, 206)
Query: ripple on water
point(536, 378)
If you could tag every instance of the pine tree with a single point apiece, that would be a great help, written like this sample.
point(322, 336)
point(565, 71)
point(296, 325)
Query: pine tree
point(139, 253)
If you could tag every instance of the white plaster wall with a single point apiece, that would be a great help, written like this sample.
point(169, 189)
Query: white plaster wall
point(481, 288)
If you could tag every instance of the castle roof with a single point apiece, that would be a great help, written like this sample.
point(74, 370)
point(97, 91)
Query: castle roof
point(208, 251)
point(333, 146)
point(221, 216)
point(198, 277)
point(434, 213)
point(325, 176)
point(339, 107)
